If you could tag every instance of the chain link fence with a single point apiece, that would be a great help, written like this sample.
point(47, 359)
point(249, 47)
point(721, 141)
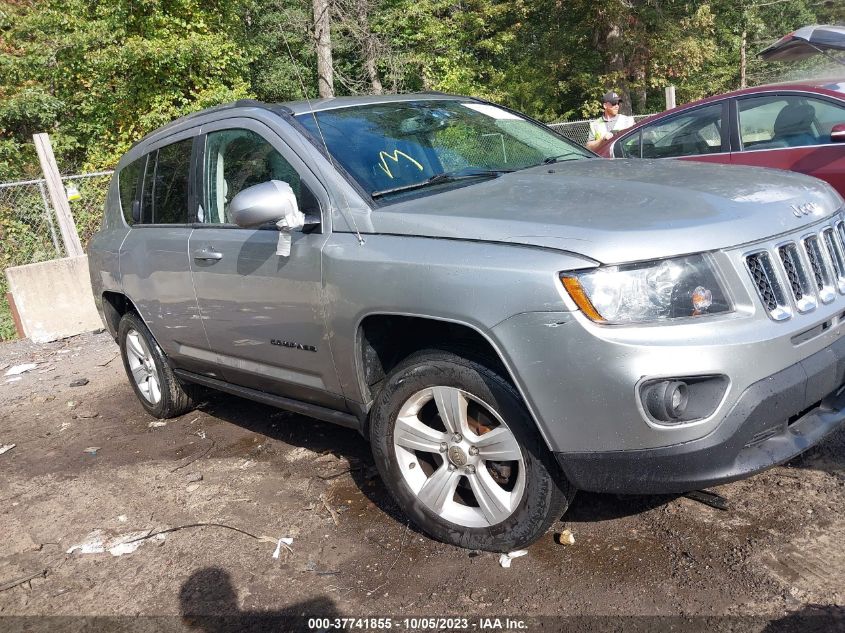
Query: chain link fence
point(579, 131)
point(87, 210)
point(29, 232)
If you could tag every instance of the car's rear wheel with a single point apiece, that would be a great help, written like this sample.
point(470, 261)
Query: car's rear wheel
point(156, 386)
point(460, 453)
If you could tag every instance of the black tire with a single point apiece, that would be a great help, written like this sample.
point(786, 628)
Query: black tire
point(176, 398)
point(546, 493)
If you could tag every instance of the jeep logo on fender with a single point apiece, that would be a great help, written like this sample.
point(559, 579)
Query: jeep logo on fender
point(292, 345)
point(809, 208)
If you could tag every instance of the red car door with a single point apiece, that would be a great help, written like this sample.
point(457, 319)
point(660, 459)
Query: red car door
point(792, 132)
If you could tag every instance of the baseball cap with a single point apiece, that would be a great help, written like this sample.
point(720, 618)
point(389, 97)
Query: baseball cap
point(611, 97)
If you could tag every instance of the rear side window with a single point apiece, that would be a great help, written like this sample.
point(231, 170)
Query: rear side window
point(776, 121)
point(128, 186)
point(166, 184)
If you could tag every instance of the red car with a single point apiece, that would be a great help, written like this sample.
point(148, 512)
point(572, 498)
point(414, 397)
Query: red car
point(799, 126)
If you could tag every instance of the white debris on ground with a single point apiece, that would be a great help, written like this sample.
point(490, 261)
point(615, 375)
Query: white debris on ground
point(93, 544)
point(15, 370)
point(157, 423)
point(128, 543)
point(97, 542)
point(5, 448)
point(299, 454)
point(286, 542)
point(505, 559)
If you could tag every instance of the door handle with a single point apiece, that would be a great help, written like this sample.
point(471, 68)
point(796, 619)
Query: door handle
point(208, 254)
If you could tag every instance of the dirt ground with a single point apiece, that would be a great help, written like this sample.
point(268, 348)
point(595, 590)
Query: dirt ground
point(88, 459)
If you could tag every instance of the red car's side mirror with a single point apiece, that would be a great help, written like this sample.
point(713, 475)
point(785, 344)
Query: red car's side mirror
point(837, 133)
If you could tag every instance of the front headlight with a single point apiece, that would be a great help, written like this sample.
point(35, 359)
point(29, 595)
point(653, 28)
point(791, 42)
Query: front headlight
point(649, 291)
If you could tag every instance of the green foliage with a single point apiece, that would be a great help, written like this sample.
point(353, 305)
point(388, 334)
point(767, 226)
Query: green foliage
point(277, 34)
point(98, 75)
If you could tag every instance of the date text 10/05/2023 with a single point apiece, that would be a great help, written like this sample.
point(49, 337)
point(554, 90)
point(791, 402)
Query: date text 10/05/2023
point(419, 624)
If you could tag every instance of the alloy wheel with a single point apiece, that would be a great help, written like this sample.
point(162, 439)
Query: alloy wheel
point(459, 457)
point(143, 367)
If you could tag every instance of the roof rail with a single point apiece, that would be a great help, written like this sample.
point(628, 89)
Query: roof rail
point(276, 108)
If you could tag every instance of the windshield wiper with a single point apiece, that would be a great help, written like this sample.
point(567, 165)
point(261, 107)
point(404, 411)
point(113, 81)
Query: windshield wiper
point(448, 176)
point(556, 159)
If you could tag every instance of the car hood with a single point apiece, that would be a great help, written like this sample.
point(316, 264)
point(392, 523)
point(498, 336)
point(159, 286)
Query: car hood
point(620, 210)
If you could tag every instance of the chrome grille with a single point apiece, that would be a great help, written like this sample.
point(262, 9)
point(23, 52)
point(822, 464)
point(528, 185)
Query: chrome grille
point(812, 245)
point(833, 246)
point(791, 266)
point(821, 271)
point(760, 267)
point(798, 274)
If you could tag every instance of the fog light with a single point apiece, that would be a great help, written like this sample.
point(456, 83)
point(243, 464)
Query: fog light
point(681, 399)
point(667, 400)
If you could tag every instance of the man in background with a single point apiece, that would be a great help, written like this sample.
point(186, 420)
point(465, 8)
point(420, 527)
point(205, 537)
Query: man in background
point(609, 122)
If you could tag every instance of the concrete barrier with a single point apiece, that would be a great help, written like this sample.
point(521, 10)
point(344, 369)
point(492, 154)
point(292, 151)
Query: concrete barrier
point(54, 298)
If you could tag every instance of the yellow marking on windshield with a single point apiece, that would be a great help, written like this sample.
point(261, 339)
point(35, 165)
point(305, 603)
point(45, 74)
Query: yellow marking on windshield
point(395, 158)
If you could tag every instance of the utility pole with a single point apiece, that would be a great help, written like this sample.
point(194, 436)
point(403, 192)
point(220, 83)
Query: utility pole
point(670, 97)
point(323, 41)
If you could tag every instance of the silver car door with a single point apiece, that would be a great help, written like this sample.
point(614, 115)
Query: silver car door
point(262, 311)
point(154, 263)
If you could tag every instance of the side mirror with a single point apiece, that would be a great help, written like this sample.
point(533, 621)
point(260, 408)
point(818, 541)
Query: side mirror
point(260, 204)
point(837, 133)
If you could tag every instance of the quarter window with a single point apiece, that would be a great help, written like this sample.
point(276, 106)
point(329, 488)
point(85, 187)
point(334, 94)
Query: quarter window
point(166, 184)
point(776, 121)
point(237, 159)
point(128, 186)
point(691, 134)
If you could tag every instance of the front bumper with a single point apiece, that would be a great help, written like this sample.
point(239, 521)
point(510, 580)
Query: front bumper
point(771, 422)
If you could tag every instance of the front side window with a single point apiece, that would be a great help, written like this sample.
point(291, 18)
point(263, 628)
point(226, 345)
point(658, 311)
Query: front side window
point(628, 147)
point(164, 199)
point(777, 121)
point(691, 134)
point(389, 146)
point(237, 159)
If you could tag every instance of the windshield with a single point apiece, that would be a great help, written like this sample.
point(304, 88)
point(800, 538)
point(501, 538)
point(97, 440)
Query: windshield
point(390, 148)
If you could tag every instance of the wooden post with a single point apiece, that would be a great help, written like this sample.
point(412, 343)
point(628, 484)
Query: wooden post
point(670, 97)
point(16, 317)
point(67, 227)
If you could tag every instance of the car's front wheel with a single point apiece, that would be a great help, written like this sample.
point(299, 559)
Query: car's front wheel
point(458, 450)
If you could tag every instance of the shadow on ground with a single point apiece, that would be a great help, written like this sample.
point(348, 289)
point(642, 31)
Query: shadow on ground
point(813, 618)
point(320, 437)
point(303, 432)
point(208, 602)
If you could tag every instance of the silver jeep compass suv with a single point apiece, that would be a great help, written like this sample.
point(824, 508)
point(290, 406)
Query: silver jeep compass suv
point(505, 316)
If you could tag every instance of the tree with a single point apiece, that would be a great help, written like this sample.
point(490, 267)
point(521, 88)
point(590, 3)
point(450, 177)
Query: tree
point(99, 75)
point(322, 39)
